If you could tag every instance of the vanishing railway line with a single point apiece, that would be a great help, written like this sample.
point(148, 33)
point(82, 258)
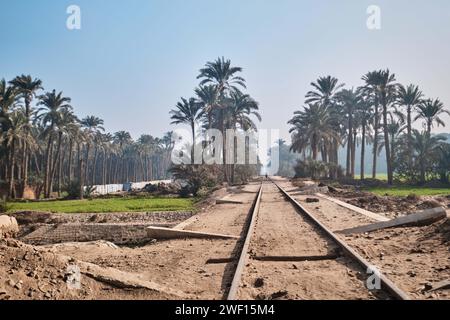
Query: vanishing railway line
point(288, 253)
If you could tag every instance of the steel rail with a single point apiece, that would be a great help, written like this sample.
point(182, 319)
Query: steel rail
point(232, 293)
point(388, 284)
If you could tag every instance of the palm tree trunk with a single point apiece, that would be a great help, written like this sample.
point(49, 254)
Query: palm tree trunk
point(386, 143)
point(409, 129)
point(70, 161)
point(94, 167)
point(11, 170)
point(363, 151)
point(47, 167)
point(375, 143)
point(352, 171)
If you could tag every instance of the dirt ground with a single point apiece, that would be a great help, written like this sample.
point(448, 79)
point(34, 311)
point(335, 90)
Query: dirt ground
point(179, 264)
point(414, 258)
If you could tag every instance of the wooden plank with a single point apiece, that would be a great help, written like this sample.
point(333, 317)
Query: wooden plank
point(166, 233)
point(221, 201)
point(297, 258)
point(369, 214)
point(220, 260)
point(440, 285)
point(420, 218)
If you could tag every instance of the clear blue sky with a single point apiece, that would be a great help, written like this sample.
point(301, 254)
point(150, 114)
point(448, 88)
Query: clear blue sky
point(132, 60)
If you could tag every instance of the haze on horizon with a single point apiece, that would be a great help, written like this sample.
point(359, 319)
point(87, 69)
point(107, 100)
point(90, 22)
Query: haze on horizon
point(132, 61)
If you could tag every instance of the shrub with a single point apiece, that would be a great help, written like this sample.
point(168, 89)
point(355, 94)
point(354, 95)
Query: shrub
point(73, 190)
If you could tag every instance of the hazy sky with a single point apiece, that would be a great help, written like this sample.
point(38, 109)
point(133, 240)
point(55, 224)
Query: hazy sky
point(132, 60)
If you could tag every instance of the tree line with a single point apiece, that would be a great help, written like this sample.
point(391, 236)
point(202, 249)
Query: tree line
point(380, 113)
point(46, 148)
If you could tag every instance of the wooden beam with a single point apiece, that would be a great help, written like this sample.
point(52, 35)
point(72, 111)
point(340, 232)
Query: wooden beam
point(369, 214)
point(297, 258)
point(420, 218)
point(166, 233)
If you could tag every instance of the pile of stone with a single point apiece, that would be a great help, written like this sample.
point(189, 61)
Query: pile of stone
point(8, 227)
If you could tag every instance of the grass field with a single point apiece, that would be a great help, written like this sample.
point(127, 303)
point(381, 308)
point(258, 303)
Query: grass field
point(106, 205)
point(403, 191)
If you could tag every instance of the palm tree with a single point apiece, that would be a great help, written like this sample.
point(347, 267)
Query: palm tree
point(311, 127)
point(51, 114)
point(350, 101)
point(188, 112)
point(15, 135)
point(221, 74)
point(386, 89)
point(430, 110)
point(93, 126)
point(27, 87)
point(324, 93)
point(365, 115)
point(370, 91)
point(426, 150)
point(224, 77)
point(209, 98)
point(122, 138)
point(409, 97)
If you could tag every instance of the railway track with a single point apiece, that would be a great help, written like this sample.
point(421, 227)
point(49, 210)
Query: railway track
point(288, 253)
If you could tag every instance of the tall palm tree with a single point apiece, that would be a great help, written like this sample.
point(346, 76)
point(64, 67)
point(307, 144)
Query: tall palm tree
point(93, 126)
point(311, 127)
point(409, 97)
point(387, 87)
point(225, 78)
point(50, 115)
point(371, 92)
point(187, 112)
point(27, 88)
point(324, 93)
point(430, 110)
point(122, 138)
point(350, 101)
point(365, 115)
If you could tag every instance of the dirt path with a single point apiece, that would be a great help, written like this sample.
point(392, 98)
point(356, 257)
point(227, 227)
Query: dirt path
point(414, 258)
point(281, 231)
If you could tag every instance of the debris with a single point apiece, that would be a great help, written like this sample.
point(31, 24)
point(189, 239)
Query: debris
point(278, 295)
point(312, 200)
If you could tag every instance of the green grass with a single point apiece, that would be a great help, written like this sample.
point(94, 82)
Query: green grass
point(403, 191)
point(379, 176)
point(105, 205)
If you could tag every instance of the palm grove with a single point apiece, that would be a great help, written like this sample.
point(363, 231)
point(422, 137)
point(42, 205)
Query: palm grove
point(219, 103)
point(46, 148)
point(380, 115)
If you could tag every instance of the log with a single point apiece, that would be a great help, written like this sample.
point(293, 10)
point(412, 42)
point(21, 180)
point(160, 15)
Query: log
point(420, 218)
point(166, 233)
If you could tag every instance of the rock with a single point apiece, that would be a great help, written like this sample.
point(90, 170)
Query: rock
point(312, 200)
point(412, 274)
point(259, 282)
point(8, 227)
point(278, 295)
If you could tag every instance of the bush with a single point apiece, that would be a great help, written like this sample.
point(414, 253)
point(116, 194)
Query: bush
point(311, 169)
point(73, 190)
point(194, 177)
point(4, 205)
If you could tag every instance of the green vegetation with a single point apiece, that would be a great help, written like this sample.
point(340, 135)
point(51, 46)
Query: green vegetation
point(404, 191)
point(106, 205)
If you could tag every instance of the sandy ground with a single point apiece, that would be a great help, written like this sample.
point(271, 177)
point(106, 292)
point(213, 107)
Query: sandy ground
point(281, 231)
point(414, 258)
point(181, 264)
